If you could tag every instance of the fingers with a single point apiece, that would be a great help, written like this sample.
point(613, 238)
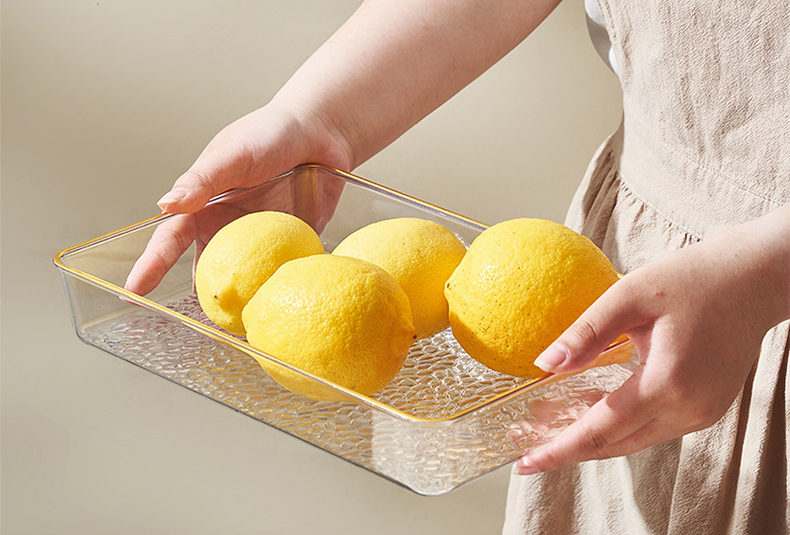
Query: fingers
point(622, 423)
point(616, 312)
point(169, 241)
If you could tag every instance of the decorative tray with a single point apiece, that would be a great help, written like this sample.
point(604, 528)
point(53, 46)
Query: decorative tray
point(443, 421)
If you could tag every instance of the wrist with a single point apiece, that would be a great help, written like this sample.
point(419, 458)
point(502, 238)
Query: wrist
point(767, 242)
point(310, 137)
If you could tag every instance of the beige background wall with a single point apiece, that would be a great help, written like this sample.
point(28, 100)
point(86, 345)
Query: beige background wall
point(104, 103)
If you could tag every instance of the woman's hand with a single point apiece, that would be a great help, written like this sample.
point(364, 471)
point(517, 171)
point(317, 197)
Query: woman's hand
point(254, 149)
point(249, 152)
point(697, 317)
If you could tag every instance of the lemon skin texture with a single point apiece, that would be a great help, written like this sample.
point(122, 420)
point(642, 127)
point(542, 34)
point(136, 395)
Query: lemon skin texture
point(420, 254)
point(520, 285)
point(242, 256)
point(338, 318)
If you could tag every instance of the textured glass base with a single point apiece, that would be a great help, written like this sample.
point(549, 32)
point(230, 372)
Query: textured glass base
point(438, 380)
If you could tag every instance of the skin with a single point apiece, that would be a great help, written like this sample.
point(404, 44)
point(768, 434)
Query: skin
point(694, 360)
point(393, 63)
point(389, 66)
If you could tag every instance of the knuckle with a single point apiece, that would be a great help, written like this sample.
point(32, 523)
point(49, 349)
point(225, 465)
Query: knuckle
point(549, 457)
point(171, 254)
point(584, 332)
point(199, 179)
point(596, 442)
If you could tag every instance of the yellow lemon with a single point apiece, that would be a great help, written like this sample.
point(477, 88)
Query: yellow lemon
point(338, 318)
point(242, 256)
point(520, 285)
point(420, 254)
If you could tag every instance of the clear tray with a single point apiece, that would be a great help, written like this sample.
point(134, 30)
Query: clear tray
point(443, 421)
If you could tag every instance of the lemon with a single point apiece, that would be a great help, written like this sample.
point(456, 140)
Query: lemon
point(420, 254)
point(520, 285)
point(338, 318)
point(242, 256)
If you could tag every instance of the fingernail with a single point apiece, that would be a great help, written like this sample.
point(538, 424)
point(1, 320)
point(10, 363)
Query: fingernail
point(172, 196)
point(525, 468)
point(552, 357)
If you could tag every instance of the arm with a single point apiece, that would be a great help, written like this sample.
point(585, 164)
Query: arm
point(390, 65)
point(698, 317)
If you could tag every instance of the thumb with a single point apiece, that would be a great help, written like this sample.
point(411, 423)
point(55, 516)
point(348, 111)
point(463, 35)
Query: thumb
point(611, 315)
point(189, 193)
point(227, 162)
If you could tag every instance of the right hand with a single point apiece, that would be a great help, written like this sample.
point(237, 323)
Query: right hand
point(252, 150)
point(248, 152)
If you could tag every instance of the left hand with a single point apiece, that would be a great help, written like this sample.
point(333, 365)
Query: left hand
point(697, 316)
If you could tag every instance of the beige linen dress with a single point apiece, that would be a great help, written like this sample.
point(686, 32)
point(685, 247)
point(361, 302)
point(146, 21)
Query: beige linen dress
point(704, 144)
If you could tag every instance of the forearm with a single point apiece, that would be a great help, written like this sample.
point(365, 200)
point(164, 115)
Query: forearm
point(395, 61)
point(390, 65)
